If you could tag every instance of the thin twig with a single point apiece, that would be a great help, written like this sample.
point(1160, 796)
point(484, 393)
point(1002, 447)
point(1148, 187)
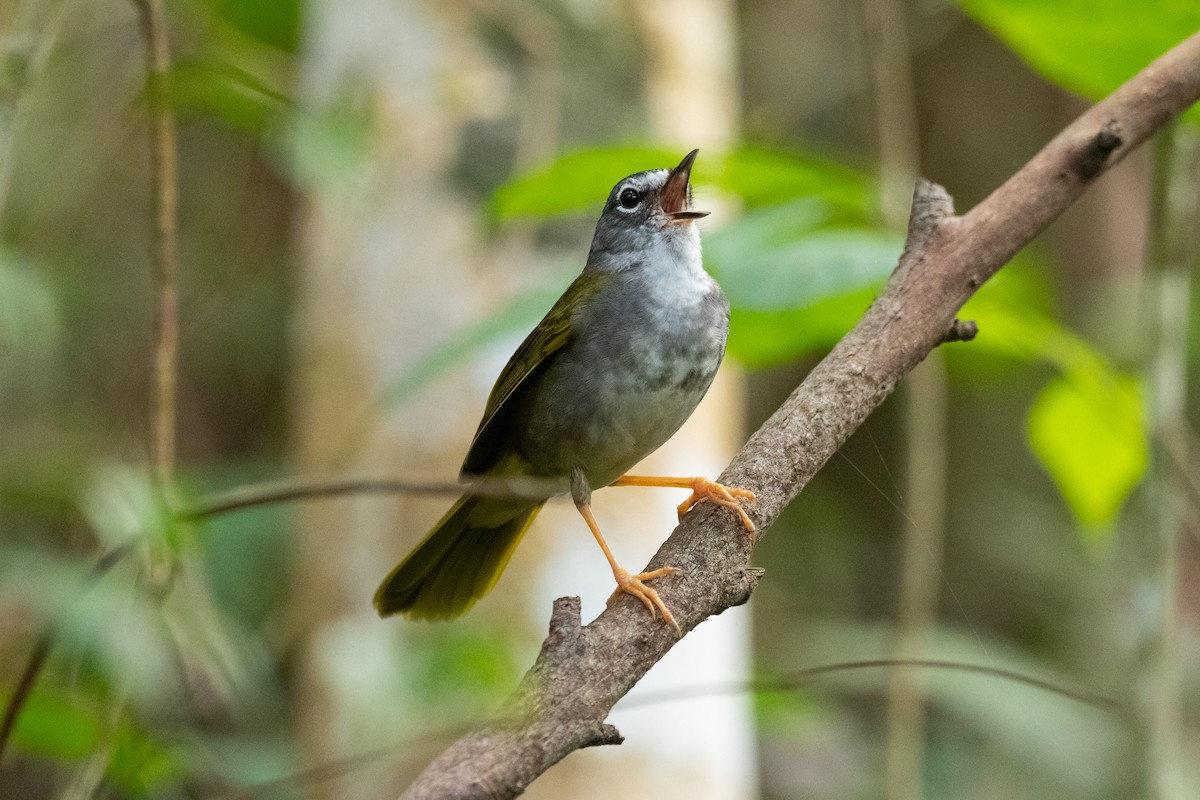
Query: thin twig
point(805, 677)
point(45, 643)
point(164, 175)
point(790, 682)
point(275, 492)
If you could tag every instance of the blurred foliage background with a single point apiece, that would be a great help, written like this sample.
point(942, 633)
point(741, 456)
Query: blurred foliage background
point(1059, 541)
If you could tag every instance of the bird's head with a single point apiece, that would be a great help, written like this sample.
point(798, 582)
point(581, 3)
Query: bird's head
point(646, 208)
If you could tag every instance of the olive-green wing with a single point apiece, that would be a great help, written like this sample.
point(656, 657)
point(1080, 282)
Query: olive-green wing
point(547, 339)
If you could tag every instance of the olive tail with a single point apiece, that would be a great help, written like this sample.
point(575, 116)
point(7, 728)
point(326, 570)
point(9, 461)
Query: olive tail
point(459, 561)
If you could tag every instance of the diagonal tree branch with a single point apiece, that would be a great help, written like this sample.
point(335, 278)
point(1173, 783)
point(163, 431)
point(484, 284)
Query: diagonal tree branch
point(582, 671)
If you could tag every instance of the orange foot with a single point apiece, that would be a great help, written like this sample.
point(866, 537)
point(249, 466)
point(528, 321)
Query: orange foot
point(727, 496)
point(702, 489)
point(632, 584)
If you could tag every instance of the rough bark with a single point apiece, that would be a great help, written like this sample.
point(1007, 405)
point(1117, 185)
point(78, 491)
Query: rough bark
point(582, 671)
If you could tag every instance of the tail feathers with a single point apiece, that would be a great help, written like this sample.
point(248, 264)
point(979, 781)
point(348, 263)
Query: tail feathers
point(459, 561)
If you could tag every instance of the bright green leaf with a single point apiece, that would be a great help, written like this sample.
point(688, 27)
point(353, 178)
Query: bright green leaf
point(53, 725)
point(222, 90)
point(275, 22)
point(1089, 46)
point(1088, 434)
point(765, 177)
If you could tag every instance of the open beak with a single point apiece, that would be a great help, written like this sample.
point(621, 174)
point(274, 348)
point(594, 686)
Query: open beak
point(674, 195)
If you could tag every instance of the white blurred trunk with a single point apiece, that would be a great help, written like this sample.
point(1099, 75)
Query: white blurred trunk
point(387, 273)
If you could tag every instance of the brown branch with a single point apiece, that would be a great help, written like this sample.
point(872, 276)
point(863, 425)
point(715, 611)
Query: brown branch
point(582, 671)
point(163, 173)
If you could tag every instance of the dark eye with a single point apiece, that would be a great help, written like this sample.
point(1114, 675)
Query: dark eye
point(629, 198)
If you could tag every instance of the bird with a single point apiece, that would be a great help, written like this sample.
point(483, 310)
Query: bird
point(615, 368)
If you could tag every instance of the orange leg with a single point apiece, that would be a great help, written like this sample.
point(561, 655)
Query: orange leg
point(702, 489)
point(629, 583)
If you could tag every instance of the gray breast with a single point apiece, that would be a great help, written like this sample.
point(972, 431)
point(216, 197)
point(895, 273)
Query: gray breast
point(639, 365)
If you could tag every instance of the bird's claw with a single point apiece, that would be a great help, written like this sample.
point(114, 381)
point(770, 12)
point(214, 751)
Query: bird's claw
point(628, 583)
point(727, 496)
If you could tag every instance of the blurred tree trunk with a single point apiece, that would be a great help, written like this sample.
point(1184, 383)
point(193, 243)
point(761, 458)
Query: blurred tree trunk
point(923, 516)
point(387, 272)
point(1172, 256)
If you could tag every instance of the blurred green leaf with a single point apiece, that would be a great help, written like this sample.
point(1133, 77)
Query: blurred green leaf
point(1020, 332)
point(461, 668)
point(138, 763)
point(274, 22)
point(1089, 46)
point(1086, 426)
point(764, 177)
point(107, 622)
point(796, 279)
point(1089, 437)
point(332, 147)
point(784, 257)
point(122, 503)
point(211, 647)
point(1008, 327)
point(578, 181)
point(57, 727)
point(239, 549)
point(219, 89)
point(761, 339)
